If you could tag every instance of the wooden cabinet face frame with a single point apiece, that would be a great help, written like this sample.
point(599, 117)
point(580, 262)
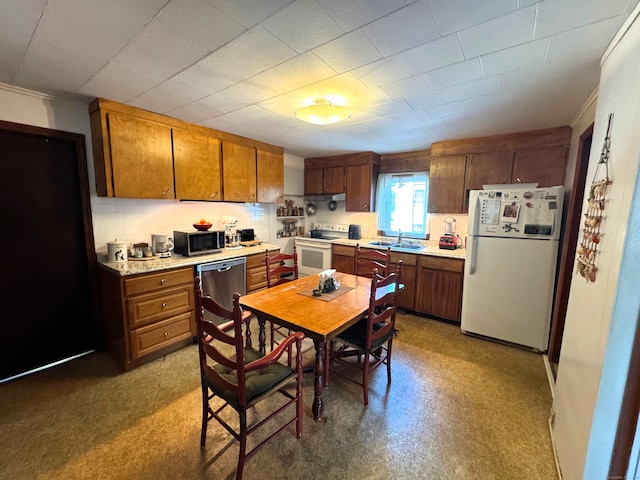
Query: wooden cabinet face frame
point(197, 166)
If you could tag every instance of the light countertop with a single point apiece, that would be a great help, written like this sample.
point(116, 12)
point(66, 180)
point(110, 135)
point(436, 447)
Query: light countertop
point(133, 267)
point(429, 248)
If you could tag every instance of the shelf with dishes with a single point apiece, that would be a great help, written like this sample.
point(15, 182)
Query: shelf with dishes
point(290, 227)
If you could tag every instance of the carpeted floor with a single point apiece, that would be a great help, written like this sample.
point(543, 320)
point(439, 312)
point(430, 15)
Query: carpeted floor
point(458, 408)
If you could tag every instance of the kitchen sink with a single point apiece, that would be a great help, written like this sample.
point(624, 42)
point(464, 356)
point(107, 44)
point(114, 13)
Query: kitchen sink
point(381, 244)
point(407, 246)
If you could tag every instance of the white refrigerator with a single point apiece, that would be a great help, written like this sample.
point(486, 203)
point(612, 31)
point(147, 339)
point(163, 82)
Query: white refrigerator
point(510, 266)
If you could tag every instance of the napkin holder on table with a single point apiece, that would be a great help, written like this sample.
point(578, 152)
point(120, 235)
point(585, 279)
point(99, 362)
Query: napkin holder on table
point(328, 282)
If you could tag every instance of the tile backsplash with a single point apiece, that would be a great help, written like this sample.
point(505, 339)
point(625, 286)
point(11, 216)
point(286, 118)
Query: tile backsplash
point(134, 220)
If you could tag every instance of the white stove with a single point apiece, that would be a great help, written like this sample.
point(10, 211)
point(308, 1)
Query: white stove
point(329, 231)
point(314, 251)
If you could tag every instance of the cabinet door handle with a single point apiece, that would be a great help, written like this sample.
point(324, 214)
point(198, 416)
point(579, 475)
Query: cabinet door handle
point(164, 305)
point(166, 334)
point(166, 191)
point(214, 195)
point(163, 281)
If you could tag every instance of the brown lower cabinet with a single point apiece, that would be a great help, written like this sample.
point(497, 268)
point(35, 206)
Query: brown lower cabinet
point(439, 288)
point(147, 315)
point(256, 272)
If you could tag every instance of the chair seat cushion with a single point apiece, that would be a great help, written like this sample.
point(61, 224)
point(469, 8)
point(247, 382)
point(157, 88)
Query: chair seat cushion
point(357, 335)
point(257, 381)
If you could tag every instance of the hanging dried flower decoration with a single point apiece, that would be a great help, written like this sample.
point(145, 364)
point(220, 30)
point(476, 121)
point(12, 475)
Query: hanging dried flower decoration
point(591, 233)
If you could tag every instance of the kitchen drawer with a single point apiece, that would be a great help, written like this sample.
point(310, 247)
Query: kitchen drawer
point(256, 278)
point(145, 309)
point(408, 259)
point(258, 259)
point(343, 250)
point(158, 281)
point(154, 337)
point(442, 263)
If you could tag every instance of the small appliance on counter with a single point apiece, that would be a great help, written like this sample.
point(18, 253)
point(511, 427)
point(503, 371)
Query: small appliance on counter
point(354, 232)
point(198, 242)
point(450, 240)
point(161, 245)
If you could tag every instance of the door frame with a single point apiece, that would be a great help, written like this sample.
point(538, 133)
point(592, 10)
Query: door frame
point(569, 245)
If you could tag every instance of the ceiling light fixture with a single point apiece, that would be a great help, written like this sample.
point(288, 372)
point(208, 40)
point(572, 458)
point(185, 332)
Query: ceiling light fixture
point(322, 112)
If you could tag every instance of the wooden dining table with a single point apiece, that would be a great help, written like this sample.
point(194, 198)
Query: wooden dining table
point(321, 318)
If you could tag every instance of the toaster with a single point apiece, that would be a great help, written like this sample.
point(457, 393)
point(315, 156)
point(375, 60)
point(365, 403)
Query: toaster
point(247, 235)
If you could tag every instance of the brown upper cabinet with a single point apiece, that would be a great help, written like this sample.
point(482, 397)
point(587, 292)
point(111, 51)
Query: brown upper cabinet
point(238, 172)
point(446, 184)
point(270, 171)
point(141, 154)
point(355, 174)
point(197, 165)
point(458, 166)
point(133, 157)
point(327, 180)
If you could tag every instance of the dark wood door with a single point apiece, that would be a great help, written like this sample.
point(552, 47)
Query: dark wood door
point(48, 280)
point(446, 184)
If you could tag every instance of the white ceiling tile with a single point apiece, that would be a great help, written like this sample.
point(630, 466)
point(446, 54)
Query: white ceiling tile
point(89, 34)
point(382, 72)
point(438, 53)
point(454, 15)
point(348, 52)
point(390, 108)
point(572, 42)
point(515, 28)
point(194, 112)
point(477, 88)
point(354, 14)
point(18, 21)
point(250, 12)
point(303, 25)
point(251, 113)
point(514, 58)
point(403, 29)
point(498, 100)
point(235, 97)
point(431, 99)
point(455, 74)
point(197, 30)
point(555, 16)
point(408, 87)
point(203, 76)
point(167, 96)
point(118, 83)
point(446, 109)
point(305, 69)
point(249, 54)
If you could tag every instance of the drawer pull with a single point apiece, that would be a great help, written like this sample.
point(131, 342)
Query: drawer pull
point(163, 281)
point(164, 305)
point(166, 334)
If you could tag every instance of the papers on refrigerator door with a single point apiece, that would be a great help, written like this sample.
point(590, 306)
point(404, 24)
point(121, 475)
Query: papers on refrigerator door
point(489, 211)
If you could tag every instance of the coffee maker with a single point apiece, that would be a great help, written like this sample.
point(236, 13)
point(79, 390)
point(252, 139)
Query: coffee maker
point(450, 240)
point(161, 245)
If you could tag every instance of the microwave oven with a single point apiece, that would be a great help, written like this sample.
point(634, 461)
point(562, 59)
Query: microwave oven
point(197, 243)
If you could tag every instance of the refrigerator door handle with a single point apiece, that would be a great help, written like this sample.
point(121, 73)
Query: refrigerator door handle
point(472, 250)
point(473, 247)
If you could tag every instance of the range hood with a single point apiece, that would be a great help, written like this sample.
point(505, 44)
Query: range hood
point(318, 197)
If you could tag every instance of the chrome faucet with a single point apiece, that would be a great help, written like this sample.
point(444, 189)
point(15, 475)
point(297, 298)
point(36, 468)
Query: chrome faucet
point(399, 236)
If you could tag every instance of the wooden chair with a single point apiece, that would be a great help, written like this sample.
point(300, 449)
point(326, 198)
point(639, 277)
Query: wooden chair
point(368, 259)
point(281, 268)
point(371, 338)
point(241, 377)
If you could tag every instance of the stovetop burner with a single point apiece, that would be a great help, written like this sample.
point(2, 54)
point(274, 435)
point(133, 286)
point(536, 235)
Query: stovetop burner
point(329, 231)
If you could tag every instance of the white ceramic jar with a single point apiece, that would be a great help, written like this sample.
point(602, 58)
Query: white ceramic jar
point(116, 251)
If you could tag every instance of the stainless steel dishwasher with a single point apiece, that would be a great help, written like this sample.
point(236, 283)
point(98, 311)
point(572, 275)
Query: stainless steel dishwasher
point(220, 280)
